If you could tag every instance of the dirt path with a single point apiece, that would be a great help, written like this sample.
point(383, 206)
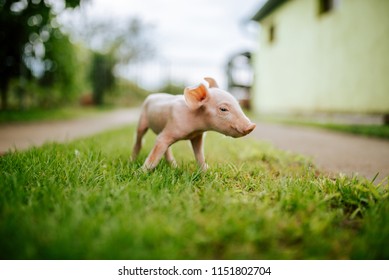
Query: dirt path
point(333, 152)
point(22, 136)
point(330, 151)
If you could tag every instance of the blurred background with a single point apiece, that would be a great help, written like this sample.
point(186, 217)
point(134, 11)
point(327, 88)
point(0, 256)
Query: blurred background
point(326, 58)
point(323, 58)
point(58, 53)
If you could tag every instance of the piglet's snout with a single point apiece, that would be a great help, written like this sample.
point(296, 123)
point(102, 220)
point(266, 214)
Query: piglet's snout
point(242, 131)
point(249, 128)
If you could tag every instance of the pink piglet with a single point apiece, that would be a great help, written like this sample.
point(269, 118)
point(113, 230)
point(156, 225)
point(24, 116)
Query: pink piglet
point(188, 117)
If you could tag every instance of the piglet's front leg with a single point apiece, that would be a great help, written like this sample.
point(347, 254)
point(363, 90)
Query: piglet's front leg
point(162, 144)
point(198, 149)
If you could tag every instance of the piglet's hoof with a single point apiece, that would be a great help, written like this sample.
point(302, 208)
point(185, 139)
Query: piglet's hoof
point(204, 167)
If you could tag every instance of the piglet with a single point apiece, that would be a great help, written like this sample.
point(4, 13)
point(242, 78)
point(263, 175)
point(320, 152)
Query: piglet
point(188, 117)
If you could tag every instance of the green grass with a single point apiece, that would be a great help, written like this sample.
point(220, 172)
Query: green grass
point(379, 131)
point(368, 130)
point(85, 200)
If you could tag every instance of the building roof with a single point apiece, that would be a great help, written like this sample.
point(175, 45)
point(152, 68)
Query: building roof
point(267, 9)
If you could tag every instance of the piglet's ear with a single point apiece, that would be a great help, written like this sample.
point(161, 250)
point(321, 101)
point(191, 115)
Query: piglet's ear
point(195, 96)
point(211, 81)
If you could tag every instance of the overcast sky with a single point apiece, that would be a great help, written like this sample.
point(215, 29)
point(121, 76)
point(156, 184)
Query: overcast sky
point(193, 38)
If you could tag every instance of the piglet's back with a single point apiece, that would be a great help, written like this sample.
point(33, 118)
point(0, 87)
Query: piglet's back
point(158, 108)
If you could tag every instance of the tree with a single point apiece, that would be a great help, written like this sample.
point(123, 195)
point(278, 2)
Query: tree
point(101, 76)
point(26, 27)
point(63, 70)
point(115, 45)
point(126, 41)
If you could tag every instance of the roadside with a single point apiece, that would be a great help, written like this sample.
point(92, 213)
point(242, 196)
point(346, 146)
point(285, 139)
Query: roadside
point(57, 114)
point(332, 152)
point(21, 136)
point(370, 126)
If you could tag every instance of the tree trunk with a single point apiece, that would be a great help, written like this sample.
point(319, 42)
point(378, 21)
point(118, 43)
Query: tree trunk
point(4, 96)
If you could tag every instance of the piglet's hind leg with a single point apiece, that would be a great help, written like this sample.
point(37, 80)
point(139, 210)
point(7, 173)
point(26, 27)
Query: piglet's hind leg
point(141, 131)
point(170, 158)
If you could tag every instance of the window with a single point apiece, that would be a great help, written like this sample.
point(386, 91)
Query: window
point(326, 6)
point(271, 33)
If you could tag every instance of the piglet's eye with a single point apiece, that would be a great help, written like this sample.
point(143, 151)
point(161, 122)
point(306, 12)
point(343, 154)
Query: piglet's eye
point(223, 109)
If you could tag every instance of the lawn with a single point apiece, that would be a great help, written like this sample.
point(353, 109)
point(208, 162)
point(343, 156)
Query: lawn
point(367, 130)
point(86, 200)
point(379, 131)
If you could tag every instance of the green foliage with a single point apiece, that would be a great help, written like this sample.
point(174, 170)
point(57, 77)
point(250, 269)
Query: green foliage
point(26, 27)
point(85, 200)
point(45, 69)
point(64, 69)
point(380, 131)
point(371, 130)
point(101, 76)
point(126, 94)
point(115, 46)
point(172, 88)
point(125, 41)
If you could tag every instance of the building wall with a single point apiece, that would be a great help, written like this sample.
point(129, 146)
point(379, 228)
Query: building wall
point(332, 62)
